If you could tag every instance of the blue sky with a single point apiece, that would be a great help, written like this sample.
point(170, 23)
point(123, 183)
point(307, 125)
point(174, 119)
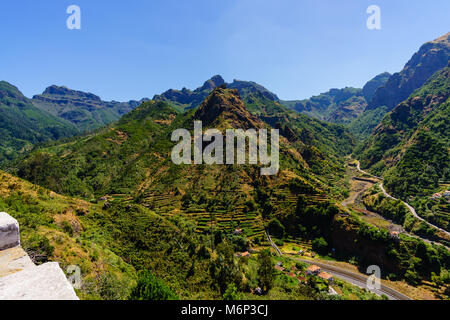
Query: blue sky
point(133, 49)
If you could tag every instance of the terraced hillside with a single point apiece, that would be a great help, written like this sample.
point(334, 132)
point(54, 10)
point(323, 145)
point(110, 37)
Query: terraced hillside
point(131, 158)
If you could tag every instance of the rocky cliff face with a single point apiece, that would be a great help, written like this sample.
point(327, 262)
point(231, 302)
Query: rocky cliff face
point(431, 57)
point(372, 86)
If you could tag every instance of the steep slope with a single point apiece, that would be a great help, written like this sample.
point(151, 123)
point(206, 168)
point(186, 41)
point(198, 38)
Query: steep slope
point(411, 145)
point(132, 157)
point(425, 111)
point(431, 57)
point(85, 110)
point(108, 240)
point(372, 86)
point(22, 125)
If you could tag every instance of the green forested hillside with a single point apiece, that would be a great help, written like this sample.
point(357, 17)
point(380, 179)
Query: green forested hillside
point(22, 125)
point(128, 164)
point(119, 158)
point(412, 141)
point(410, 148)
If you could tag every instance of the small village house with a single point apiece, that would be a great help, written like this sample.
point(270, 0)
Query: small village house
point(313, 270)
point(326, 276)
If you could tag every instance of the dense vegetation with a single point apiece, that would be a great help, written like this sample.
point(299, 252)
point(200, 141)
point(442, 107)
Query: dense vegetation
point(409, 258)
point(396, 211)
point(149, 229)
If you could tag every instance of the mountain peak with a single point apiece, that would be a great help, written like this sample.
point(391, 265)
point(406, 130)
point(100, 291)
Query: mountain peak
point(11, 91)
point(212, 83)
point(443, 39)
point(431, 57)
point(225, 108)
point(64, 91)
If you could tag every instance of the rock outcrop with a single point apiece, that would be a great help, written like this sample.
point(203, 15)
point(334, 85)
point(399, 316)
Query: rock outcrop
point(9, 232)
point(431, 57)
point(20, 278)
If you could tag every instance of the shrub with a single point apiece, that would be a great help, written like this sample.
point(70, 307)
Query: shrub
point(39, 248)
point(231, 294)
point(151, 288)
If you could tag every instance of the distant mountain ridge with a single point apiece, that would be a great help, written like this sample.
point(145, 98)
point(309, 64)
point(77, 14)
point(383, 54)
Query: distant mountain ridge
point(85, 110)
point(187, 99)
point(336, 105)
point(22, 125)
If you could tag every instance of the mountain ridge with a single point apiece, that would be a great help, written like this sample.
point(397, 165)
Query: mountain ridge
point(86, 111)
point(23, 125)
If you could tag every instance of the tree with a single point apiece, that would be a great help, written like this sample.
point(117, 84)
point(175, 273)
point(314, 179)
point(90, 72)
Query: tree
point(266, 271)
point(276, 228)
point(320, 245)
point(151, 288)
point(240, 243)
point(412, 277)
point(224, 269)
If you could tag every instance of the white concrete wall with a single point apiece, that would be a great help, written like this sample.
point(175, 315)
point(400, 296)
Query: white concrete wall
point(44, 282)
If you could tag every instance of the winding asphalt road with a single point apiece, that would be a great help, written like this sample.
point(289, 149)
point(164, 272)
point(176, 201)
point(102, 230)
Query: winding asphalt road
point(413, 211)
